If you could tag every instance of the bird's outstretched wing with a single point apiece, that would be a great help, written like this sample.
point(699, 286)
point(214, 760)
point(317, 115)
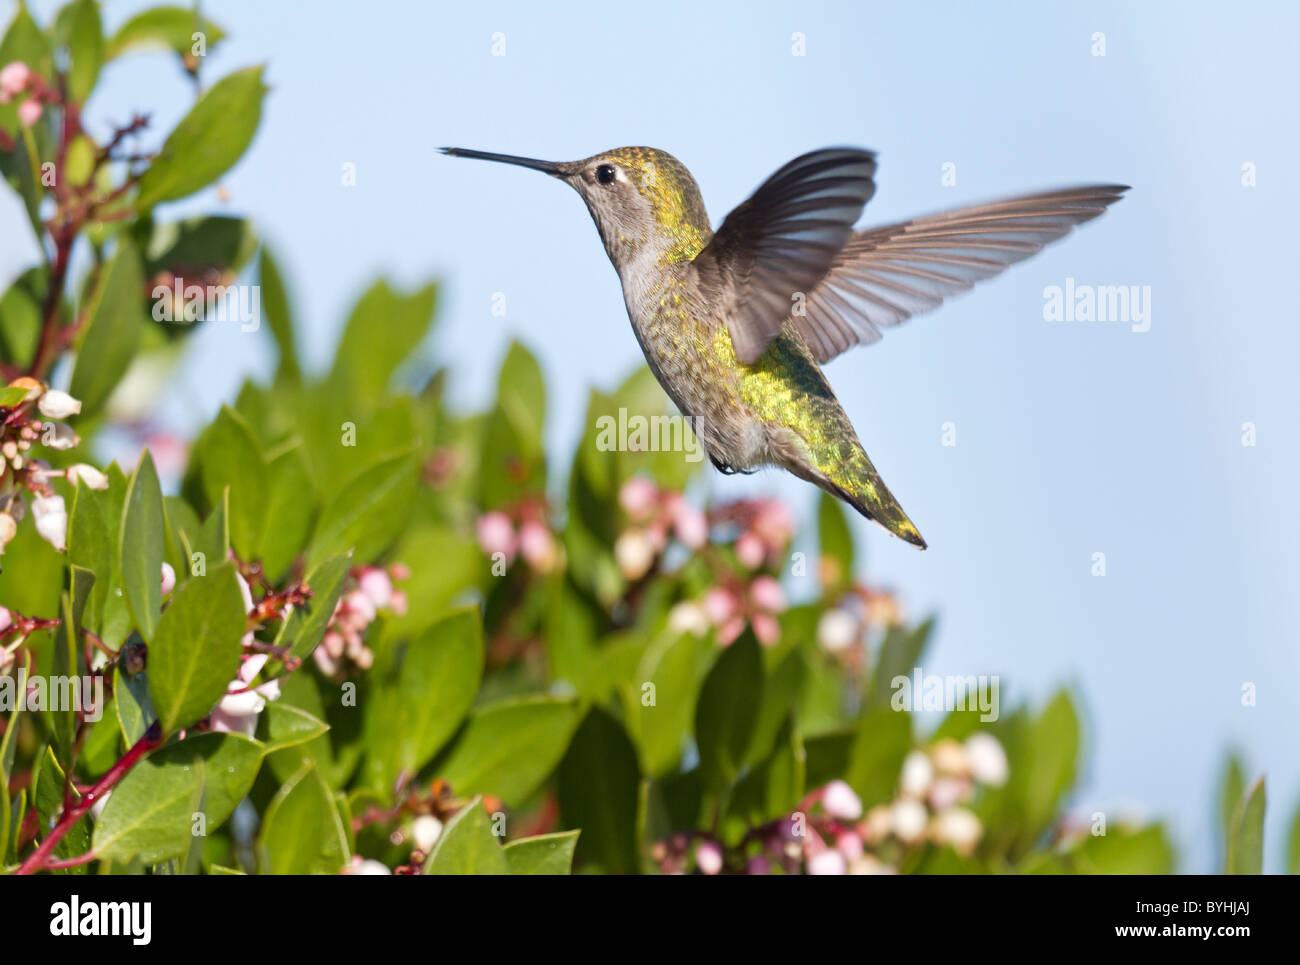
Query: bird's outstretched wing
point(785, 237)
point(885, 275)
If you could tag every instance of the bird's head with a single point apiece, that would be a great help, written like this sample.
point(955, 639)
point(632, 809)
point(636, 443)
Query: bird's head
point(645, 203)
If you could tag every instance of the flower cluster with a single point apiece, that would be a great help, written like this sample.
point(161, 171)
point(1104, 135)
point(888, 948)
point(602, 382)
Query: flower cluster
point(522, 531)
point(654, 514)
point(17, 80)
point(844, 626)
point(33, 422)
point(344, 643)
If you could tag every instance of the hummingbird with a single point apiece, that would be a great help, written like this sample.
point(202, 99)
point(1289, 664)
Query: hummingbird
point(736, 324)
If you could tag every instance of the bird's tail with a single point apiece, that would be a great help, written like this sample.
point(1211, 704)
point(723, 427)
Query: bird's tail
point(857, 483)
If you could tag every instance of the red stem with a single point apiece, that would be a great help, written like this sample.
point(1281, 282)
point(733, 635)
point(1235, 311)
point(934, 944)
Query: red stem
point(36, 861)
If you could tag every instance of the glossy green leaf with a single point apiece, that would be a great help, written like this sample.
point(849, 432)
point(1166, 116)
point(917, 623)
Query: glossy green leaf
point(290, 507)
point(508, 748)
point(196, 651)
point(49, 797)
point(385, 327)
point(303, 832)
point(306, 625)
point(368, 512)
point(282, 725)
point(543, 854)
point(467, 846)
point(727, 710)
point(141, 539)
point(208, 140)
point(85, 41)
point(1246, 833)
point(230, 456)
point(279, 313)
point(116, 319)
point(165, 28)
point(151, 814)
point(599, 786)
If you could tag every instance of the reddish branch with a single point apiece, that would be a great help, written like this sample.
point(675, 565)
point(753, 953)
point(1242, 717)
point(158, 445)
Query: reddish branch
point(39, 859)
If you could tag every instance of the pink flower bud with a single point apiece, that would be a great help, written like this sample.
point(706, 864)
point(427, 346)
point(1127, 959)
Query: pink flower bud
point(6, 619)
point(634, 553)
point(638, 497)
point(729, 631)
point(691, 526)
point(758, 865)
point(29, 112)
point(766, 628)
point(361, 609)
point(720, 605)
point(332, 644)
point(708, 857)
point(766, 593)
point(537, 546)
point(168, 579)
point(849, 845)
point(750, 551)
point(841, 801)
point(827, 862)
point(496, 534)
point(14, 78)
point(774, 524)
point(398, 603)
point(375, 584)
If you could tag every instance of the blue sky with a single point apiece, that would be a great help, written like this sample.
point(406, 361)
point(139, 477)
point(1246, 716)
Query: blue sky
point(1072, 438)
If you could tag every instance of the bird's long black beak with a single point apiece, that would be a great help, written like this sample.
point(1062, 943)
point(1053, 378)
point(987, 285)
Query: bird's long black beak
point(549, 167)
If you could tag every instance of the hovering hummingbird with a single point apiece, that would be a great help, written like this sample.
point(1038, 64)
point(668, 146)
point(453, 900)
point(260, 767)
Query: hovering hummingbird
point(735, 323)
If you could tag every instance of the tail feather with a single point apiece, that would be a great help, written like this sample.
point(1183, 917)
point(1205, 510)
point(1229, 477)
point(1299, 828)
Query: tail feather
point(872, 499)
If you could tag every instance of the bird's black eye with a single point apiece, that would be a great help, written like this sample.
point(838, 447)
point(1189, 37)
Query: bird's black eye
point(605, 174)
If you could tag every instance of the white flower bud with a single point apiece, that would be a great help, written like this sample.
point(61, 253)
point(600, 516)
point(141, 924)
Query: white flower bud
point(828, 862)
point(8, 530)
point(55, 404)
point(837, 630)
point(988, 761)
point(634, 553)
point(168, 579)
point(688, 617)
point(708, 857)
point(51, 520)
point(58, 436)
point(918, 774)
point(950, 757)
point(372, 867)
point(959, 828)
point(426, 831)
point(840, 801)
point(908, 817)
point(86, 475)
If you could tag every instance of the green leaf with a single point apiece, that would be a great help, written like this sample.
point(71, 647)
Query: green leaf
point(676, 666)
point(208, 140)
point(151, 813)
point(1246, 835)
point(368, 512)
point(775, 786)
point(49, 796)
point(599, 790)
point(164, 28)
point(900, 654)
point(85, 41)
point(283, 725)
point(385, 327)
point(290, 505)
point(303, 832)
point(1232, 786)
point(133, 705)
point(20, 324)
point(1123, 852)
point(24, 40)
point(467, 846)
point(883, 738)
point(91, 544)
point(435, 688)
point(195, 653)
point(1052, 753)
point(279, 314)
point(230, 456)
point(726, 711)
point(543, 854)
point(306, 625)
point(64, 667)
point(141, 540)
point(1292, 863)
point(835, 541)
point(116, 320)
point(508, 748)
point(201, 248)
